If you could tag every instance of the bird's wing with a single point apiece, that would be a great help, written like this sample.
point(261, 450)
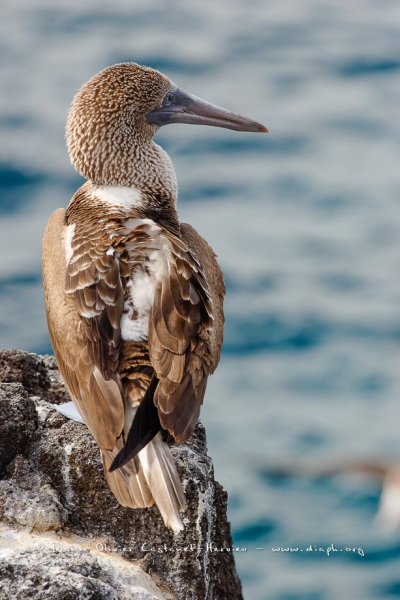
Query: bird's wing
point(182, 323)
point(84, 297)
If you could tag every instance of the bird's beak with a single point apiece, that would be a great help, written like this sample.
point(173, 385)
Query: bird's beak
point(181, 107)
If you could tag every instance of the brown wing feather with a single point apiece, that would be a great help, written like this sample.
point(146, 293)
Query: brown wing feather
point(94, 278)
point(84, 326)
point(185, 331)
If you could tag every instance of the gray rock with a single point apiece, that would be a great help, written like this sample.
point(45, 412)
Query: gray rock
point(47, 568)
point(18, 422)
point(57, 485)
point(27, 499)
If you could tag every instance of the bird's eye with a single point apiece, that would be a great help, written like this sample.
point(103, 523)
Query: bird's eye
point(169, 98)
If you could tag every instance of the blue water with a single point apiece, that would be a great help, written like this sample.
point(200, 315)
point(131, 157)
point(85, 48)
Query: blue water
point(306, 225)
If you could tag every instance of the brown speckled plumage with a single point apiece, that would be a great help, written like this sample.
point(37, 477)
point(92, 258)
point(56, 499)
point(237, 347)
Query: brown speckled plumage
point(110, 142)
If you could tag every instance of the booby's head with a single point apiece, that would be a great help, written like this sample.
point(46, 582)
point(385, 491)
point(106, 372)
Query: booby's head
point(115, 115)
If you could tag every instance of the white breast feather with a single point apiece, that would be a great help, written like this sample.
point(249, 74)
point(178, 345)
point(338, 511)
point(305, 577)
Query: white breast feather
point(68, 237)
point(119, 196)
point(140, 294)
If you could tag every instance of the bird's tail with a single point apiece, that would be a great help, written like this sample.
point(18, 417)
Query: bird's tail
point(150, 477)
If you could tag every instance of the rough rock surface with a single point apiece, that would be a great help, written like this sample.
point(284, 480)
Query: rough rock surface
point(63, 534)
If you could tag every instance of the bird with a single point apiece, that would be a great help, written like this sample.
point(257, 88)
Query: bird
point(385, 472)
point(134, 298)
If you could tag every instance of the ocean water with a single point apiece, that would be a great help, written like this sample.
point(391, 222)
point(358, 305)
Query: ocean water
point(306, 225)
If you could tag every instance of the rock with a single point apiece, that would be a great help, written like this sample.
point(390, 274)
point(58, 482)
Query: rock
point(26, 499)
point(18, 421)
point(24, 368)
point(49, 568)
point(53, 487)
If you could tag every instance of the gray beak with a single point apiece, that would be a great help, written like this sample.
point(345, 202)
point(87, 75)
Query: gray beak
point(181, 107)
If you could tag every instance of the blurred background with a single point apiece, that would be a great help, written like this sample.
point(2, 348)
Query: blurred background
point(305, 222)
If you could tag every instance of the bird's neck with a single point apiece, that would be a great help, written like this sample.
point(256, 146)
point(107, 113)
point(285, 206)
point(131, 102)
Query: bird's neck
point(144, 183)
point(151, 171)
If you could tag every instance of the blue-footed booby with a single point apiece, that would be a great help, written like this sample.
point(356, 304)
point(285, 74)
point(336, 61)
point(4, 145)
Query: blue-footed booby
point(134, 298)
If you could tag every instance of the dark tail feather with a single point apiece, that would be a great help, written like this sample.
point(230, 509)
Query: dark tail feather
point(145, 425)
